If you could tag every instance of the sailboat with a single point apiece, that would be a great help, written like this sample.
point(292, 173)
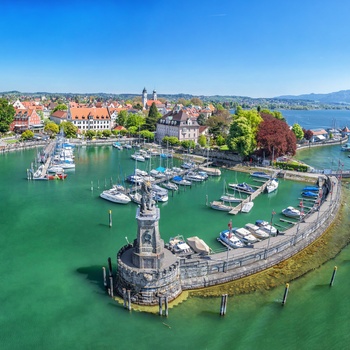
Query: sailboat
point(229, 197)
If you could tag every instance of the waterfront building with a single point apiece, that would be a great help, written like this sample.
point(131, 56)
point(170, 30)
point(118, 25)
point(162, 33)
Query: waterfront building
point(26, 119)
point(97, 119)
point(178, 123)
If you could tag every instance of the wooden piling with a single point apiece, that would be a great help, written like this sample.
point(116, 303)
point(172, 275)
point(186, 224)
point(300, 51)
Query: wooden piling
point(124, 297)
point(284, 300)
point(110, 267)
point(104, 277)
point(110, 218)
point(160, 306)
point(129, 300)
point(166, 306)
point(111, 286)
point(223, 304)
point(333, 276)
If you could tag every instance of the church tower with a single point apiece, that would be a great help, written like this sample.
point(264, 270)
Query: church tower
point(144, 98)
point(154, 95)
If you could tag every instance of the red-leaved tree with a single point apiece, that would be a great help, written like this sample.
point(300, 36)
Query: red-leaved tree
point(275, 138)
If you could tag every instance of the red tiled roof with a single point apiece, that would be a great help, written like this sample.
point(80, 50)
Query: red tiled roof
point(86, 113)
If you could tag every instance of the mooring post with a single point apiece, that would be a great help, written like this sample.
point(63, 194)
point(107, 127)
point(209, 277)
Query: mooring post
point(333, 276)
point(110, 267)
point(104, 277)
point(111, 286)
point(166, 306)
point(285, 294)
point(110, 218)
point(222, 305)
point(129, 300)
point(124, 297)
point(160, 306)
point(92, 186)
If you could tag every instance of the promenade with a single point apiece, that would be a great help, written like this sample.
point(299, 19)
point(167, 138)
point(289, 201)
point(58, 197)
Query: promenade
point(233, 264)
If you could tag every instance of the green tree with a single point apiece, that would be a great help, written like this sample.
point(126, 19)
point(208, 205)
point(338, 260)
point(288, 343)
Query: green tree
point(196, 101)
point(60, 107)
point(7, 115)
point(202, 140)
point(188, 144)
point(136, 120)
point(220, 140)
point(89, 134)
point(298, 131)
point(51, 128)
point(184, 102)
point(171, 141)
point(122, 118)
point(241, 138)
point(27, 135)
point(133, 130)
point(147, 135)
point(107, 133)
point(69, 129)
point(152, 118)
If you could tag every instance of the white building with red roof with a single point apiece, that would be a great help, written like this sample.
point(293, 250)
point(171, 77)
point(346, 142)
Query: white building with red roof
point(90, 118)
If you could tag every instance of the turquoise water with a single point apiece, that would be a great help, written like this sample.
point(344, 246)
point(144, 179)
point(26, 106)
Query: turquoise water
point(55, 238)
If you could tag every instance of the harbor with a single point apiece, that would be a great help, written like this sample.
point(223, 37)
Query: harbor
point(68, 261)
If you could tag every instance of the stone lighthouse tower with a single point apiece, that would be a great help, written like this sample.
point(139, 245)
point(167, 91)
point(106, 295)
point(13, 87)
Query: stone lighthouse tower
point(144, 98)
point(146, 267)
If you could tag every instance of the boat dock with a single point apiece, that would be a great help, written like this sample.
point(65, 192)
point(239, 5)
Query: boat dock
point(251, 197)
point(46, 157)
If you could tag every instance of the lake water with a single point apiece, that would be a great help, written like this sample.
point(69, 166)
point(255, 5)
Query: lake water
point(55, 239)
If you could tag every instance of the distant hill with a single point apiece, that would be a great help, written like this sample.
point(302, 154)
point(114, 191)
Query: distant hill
point(342, 97)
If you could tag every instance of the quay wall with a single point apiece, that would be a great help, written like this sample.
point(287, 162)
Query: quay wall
point(224, 267)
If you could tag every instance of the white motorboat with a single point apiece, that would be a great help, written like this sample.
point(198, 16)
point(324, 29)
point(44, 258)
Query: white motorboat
point(229, 239)
point(136, 179)
point(180, 181)
point(140, 172)
point(192, 176)
point(245, 236)
point(39, 171)
point(264, 225)
point(160, 197)
point(138, 157)
point(291, 212)
point(256, 231)
point(170, 186)
point(115, 196)
point(230, 198)
point(260, 174)
point(247, 207)
point(243, 187)
point(272, 185)
point(217, 205)
point(179, 246)
point(55, 169)
point(67, 165)
point(117, 145)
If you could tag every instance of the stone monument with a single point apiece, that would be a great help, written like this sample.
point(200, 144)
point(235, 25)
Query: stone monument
point(146, 267)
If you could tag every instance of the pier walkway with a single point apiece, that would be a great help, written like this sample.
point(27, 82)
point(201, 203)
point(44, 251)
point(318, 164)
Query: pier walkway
point(252, 196)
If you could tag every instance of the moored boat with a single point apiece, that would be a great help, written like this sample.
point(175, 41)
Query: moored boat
point(229, 239)
point(243, 187)
point(272, 185)
point(291, 212)
point(247, 207)
point(230, 198)
point(217, 205)
point(244, 235)
point(256, 231)
point(198, 245)
point(260, 174)
point(309, 194)
point(181, 181)
point(264, 225)
point(179, 246)
point(115, 196)
point(170, 186)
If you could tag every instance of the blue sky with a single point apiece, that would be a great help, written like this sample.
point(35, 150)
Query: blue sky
point(249, 48)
